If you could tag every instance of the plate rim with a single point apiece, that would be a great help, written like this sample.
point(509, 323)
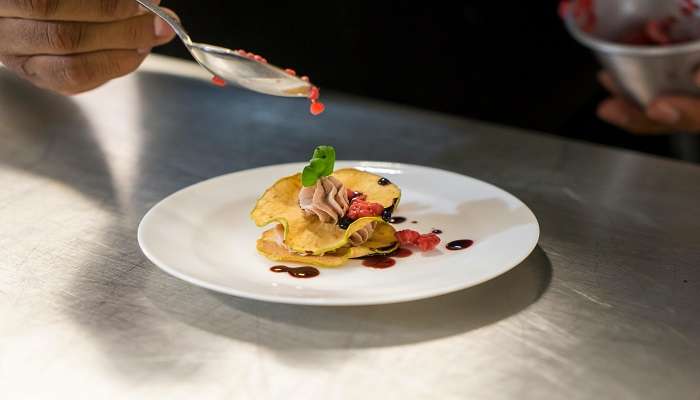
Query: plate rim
point(321, 301)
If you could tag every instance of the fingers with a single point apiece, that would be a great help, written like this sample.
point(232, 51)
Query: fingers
point(70, 46)
point(70, 10)
point(679, 113)
point(25, 37)
point(622, 114)
point(75, 73)
point(666, 114)
point(669, 114)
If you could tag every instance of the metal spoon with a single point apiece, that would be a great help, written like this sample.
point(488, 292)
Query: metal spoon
point(234, 68)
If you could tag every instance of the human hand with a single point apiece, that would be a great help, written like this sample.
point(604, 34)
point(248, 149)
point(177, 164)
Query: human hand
point(71, 46)
point(666, 114)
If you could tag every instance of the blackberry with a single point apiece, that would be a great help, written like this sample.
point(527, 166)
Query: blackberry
point(344, 223)
point(383, 181)
point(386, 214)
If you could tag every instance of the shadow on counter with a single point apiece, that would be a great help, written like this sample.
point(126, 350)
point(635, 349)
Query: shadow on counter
point(33, 120)
point(291, 328)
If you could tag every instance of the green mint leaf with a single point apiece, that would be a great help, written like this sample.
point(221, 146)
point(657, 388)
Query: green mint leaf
point(321, 164)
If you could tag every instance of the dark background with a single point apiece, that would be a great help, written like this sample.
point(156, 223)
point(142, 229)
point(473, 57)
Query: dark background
point(506, 62)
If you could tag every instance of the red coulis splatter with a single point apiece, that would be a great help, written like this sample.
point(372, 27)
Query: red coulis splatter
point(379, 262)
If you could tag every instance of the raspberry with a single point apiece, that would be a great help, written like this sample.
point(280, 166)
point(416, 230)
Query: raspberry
point(360, 208)
point(428, 242)
point(425, 242)
point(407, 236)
point(659, 30)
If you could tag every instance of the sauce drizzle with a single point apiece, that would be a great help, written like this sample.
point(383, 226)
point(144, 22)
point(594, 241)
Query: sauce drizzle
point(459, 244)
point(297, 272)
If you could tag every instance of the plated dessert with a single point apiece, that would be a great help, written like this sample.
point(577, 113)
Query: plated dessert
point(325, 217)
point(202, 235)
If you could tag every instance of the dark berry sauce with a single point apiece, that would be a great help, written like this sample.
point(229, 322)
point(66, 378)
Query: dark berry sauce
point(401, 253)
point(397, 220)
point(297, 272)
point(379, 262)
point(437, 231)
point(383, 181)
point(459, 244)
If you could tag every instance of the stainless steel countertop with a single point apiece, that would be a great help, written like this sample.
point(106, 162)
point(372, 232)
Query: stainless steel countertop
point(607, 307)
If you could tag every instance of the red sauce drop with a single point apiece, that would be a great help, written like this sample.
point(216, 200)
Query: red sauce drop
point(291, 72)
point(297, 272)
point(218, 81)
point(401, 253)
point(317, 108)
point(459, 244)
point(379, 262)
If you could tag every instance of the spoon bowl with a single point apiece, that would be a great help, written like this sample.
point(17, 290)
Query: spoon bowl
point(234, 67)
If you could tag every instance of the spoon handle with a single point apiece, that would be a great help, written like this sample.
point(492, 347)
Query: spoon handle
point(174, 23)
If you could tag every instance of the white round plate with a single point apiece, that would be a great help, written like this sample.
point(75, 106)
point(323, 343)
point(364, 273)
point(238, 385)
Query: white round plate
point(203, 234)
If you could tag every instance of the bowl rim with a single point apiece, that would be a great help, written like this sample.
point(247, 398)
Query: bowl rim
point(609, 47)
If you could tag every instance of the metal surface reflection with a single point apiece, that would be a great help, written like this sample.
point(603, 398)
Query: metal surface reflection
point(84, 312)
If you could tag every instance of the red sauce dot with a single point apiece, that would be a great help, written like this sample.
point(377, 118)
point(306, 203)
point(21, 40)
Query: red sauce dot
point(305, 78)
point(218, 81)
point(290, 71)
point(317, 108)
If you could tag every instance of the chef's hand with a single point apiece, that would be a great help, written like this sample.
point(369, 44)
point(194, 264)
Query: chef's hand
point(71, 46)
point(666, 114)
